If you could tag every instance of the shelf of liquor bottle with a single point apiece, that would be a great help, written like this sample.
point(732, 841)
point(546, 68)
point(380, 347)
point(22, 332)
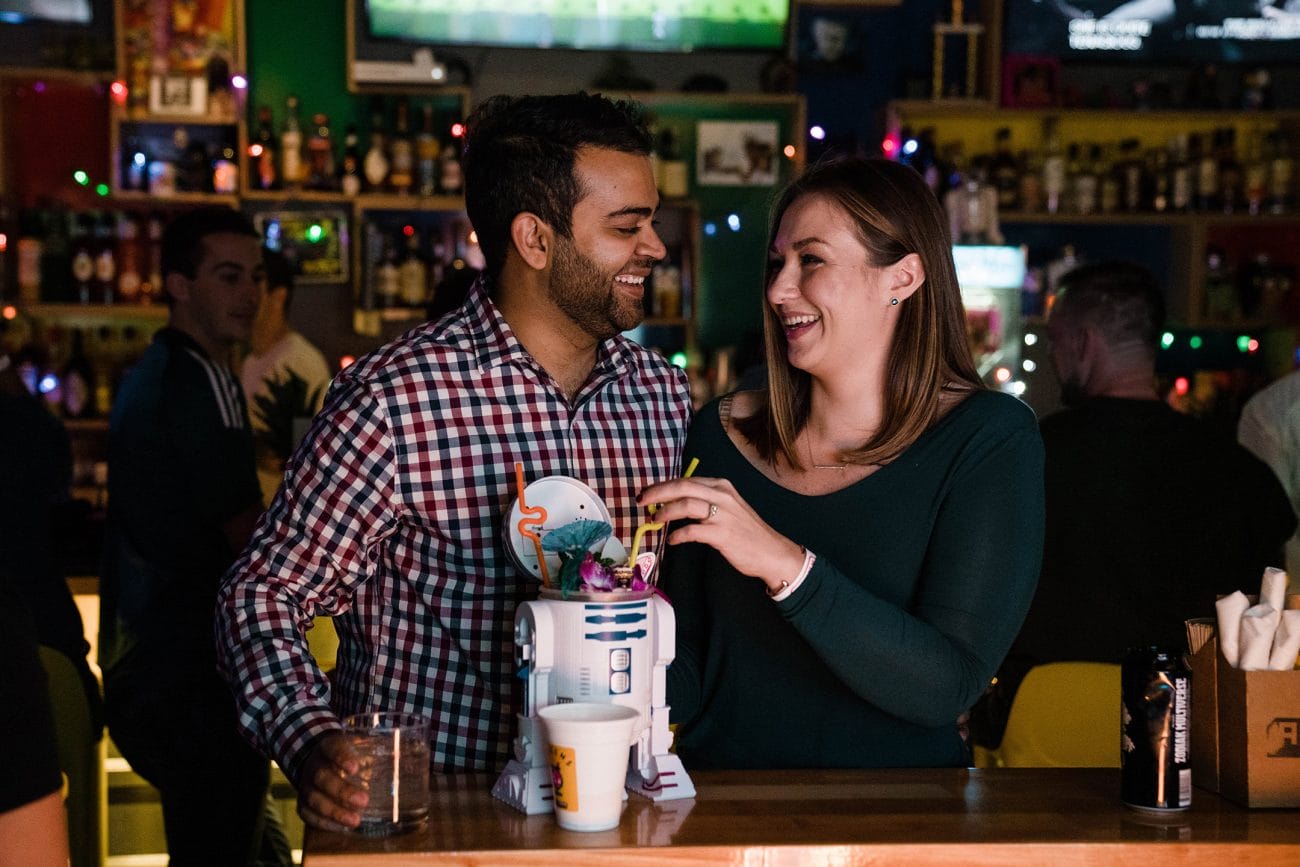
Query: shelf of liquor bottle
point(132, 197)
point(287, 197)
point(176, 119)
point(85, 425)
point(408, 202)
point(1104, 117)
point(99, 312)
point(1165, 218)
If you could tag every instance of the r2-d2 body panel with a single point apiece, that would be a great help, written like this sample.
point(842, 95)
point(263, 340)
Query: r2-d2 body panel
point(597, 647)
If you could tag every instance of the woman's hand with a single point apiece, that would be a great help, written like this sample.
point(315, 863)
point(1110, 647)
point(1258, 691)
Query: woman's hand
point(725, 522)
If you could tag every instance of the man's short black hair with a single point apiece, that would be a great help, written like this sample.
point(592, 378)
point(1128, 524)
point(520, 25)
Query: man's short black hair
point(182, 241)
point(1121, 299)
point(520, 153)
point(279, 272)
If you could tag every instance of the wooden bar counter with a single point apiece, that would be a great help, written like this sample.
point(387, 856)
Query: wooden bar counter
point(948, 816)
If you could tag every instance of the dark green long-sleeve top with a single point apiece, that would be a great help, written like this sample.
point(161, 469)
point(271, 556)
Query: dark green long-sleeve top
point(924, 572)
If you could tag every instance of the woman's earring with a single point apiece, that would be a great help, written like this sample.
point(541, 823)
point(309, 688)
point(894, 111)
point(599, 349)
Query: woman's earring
point(893, 302)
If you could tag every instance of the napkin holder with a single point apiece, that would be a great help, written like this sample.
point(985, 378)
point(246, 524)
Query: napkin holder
point(1245, 730)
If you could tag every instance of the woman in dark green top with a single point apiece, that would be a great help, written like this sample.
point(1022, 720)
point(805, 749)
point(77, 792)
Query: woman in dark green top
point(862, 539)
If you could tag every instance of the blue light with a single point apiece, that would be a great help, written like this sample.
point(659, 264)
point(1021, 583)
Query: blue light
point(710, 228)
point(48, 383)
point(817, 132)
point(910, 146)
point(733, 222)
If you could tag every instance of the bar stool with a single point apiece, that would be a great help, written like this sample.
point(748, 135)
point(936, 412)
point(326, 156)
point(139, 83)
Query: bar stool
point(1064, 715)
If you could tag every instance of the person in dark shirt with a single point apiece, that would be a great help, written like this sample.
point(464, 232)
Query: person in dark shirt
point(860, 541)
point(35, 472)
point(183, 498)
point(1150, 513)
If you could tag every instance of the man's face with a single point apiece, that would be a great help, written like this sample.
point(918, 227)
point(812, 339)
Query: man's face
point(598, 277)
point(222, 298)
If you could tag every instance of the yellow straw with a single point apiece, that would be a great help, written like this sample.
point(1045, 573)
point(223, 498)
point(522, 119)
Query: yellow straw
point(655, 525)
point(636, 540)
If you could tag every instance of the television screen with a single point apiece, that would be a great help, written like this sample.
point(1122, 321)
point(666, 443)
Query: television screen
point(60, 11)
point(634, 25)
point(1156, 31)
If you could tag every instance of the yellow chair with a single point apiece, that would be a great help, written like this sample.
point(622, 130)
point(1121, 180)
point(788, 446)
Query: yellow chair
point(81, 758)
point(1064, 715)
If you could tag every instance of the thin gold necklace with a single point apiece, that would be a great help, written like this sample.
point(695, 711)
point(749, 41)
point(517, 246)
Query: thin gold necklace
point(816, 466)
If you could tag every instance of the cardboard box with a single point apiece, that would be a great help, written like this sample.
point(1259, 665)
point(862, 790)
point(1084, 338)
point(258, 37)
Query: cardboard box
point(1245, 730)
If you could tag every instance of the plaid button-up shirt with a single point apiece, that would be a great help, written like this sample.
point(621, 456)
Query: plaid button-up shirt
point(390, 519)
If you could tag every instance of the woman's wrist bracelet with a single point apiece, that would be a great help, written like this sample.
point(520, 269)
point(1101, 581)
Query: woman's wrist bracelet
point(781, 593)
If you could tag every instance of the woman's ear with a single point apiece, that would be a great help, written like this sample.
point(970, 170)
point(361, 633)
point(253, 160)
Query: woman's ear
point(906, 276)
point(532, 239)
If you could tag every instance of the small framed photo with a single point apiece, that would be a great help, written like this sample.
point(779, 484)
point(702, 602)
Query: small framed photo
point(737, 153)
point(1030, 81)
point(178, 94)
point(314, 242)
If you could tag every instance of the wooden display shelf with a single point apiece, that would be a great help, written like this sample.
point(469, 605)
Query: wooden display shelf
point(100, 312)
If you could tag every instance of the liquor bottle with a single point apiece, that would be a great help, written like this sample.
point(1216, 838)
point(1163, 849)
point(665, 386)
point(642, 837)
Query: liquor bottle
point(1281, 174)
point(1157, 178)
point(387, 278)
point(1108, 183)
point(1030, 193)
point(77, 380)
point(401, 170)
point(1255, 176)
point(427, 147)
point(262, 170)
point(104, 289)
point(1004, 172)
point(673, 174)
point(413, 275)
point(450, 175)
point(375, 165)
point(103, 369)
point(194, 167)
point(1084, 181)
point(291, 165)
point(350, 167)
point(225, 174)
point(1180, 174)
point(83, 257)
point(1053, 169)
point(1232, 181)
point(320, 154)
point(1132, 176)
point(153, 287)
point(1221, 300)
point(927, 162)
point(1207, 175)
point(128, 256)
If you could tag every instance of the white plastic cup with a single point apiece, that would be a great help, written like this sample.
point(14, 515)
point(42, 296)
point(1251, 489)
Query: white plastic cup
point(589, 747)
point(392, 751)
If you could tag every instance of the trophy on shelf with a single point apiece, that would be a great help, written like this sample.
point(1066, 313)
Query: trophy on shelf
point(966, 38)
point(608, 644)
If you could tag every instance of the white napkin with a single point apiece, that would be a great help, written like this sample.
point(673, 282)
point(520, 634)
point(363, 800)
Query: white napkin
point(1230, 609)
point(1258, 623)
point(1272, 589)
point(1286, 642)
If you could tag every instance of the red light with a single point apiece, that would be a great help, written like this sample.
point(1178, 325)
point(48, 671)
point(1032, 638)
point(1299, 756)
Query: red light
point(457, 130)
point(408, 230)
point(1253, 345)
point(889, 146)
point(10, 312)
point(346, 361)
point(4, 242)
point(1181, 386)
point(255, 150)
point(119, 91)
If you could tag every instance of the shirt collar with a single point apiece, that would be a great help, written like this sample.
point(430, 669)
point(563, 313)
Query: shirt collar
point(495, 343)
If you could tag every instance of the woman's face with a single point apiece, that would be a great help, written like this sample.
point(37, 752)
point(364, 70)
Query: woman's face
point(831, 301)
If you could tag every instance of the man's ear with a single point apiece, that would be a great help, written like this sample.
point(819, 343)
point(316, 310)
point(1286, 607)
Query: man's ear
point(178, 286)
point(906, 276)
point(533, 239)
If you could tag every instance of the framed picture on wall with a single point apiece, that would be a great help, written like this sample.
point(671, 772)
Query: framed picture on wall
point(731, 153)
point(178, 94)
point(314, 242)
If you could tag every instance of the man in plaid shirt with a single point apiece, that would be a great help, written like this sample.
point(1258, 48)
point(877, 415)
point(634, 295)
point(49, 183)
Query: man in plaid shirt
point(391, 514)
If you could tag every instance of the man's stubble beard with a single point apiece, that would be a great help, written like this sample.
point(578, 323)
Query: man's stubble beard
point(586, 294)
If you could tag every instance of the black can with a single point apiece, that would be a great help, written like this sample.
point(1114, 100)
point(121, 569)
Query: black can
point(1155, 741)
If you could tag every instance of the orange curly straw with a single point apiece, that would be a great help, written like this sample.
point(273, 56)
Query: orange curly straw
point(534, 515)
